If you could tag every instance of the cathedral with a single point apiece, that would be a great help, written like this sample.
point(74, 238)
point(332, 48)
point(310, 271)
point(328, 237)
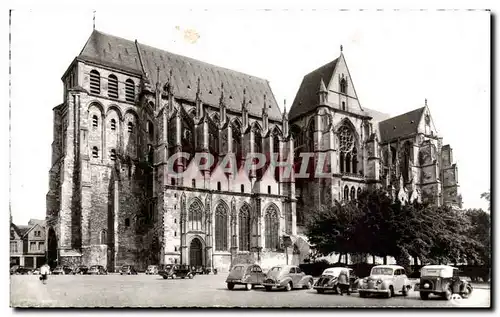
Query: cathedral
point(116, 197)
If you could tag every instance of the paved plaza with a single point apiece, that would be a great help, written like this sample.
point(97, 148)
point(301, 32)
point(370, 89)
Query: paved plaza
point(202, 291)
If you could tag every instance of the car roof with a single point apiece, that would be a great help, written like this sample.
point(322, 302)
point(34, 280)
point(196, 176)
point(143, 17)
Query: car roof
point(389, 266)
point(438, 266)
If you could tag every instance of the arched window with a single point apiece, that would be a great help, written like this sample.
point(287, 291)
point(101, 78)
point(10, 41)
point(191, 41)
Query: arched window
point(113, 124)
point(95, 121)
point(151, 130)
point(354, 160)
point(112, 155)
point(103, 239)
point(129, 90)
point(219, 186)
point(310, 134)
point(353, 193)
point(95, 82)
point(221, 228)
point(343, 106)
point(359, 193)
point(242, 187)
point(95, 152)
point(343, 86)
point(346, 148)
point(276, 142)
point(112, 86)
point(213, 137)
point(346, 193)
point(272, 226)
point(258, 141)
point(341, 162)
point(296, 132)
point(193, 183)
point(130, 127)
point(348, 163)
point(236, 130)
point(194, 216)
point(393, 155)
point(244, 226)
point(405, 161)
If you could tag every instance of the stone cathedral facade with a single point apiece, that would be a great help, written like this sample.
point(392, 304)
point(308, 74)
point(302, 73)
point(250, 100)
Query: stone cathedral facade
point(115, 198)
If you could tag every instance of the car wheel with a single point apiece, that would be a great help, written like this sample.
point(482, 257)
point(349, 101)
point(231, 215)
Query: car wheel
point(268, 288)
point(248, 286)
point(165, 277)
point(288, 286)
point(405, 290)
point(190, 276)
point(320, 291)
point(362, 294)
point(309, 284)
point(174, 276)
point(447, 294)
point(424, 295)
point(466, 292)
point(337, 289)
point(230, 286)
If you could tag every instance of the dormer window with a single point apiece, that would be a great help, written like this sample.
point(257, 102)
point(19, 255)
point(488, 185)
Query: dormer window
point(112, 86)
point(113, 124)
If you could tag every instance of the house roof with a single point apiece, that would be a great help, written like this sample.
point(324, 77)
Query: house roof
point(307, 95)
point(142, 59)
point(33, 222)
point(400, 126)
point(23, 230)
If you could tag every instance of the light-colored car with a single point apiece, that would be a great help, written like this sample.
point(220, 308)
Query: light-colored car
point(287, 277)
point(328, 280)
point(152, 270)
point(249, 275)
point(388, 280)
point(442, 280)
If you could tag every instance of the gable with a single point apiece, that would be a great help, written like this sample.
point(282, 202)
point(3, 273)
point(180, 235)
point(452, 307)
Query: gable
point(341, 71)
point(15, 234)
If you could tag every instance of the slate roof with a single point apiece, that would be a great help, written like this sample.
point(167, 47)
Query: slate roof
point(400, 126)
point(307, 97)
point(127, 55)
point(377, 116)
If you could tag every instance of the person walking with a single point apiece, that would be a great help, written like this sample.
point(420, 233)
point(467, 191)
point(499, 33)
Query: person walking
point(343, 281)
point(44, 272)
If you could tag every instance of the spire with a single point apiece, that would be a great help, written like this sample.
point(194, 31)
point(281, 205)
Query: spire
point(244, 111)
point(285, 120)
point(244, 103)
point(170, 82)
point(341, 48)
point(158, 78)
point(265, 106)
point(93, 26)
point(426, 101)
point(198, 93)
point(265, 117)
point(222, 104)
point(200, 113)
point(322, 93)
point(284, 109)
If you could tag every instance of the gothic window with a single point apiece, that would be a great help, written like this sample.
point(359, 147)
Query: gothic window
point(236, 129)
point(129, 90)
point(112, 155)
point(346, 193)
point(151, 104)
point(405, 161)
point(296, 132)
point(219, 186)
point(359, 192)
point(348, 163)
point(151, 130)
point(213, 137)
point(272, 228)
point(355, 160)
point(194, 216)
point(310, 134)
point(193, 183)
point(242, 187)
point(112, 86)
point(172, 132)
point(95, 82)
point(113, 124)
point(130, 127)
point(276, 144)
point(221, 216)
point(353, 193)
point(341, 162)
point(95, 121)
point(347, 150)
point(258, 141)
point(346, 139)
point(343, 86)
point(393, 155)
point(244, 226)
point(95, 152)
point(103, 237)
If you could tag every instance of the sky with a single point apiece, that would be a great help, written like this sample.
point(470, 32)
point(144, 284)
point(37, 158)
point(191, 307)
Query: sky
point(396, 61)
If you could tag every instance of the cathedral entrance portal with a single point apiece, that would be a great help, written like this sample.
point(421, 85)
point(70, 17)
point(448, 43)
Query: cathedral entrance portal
point(195, 253)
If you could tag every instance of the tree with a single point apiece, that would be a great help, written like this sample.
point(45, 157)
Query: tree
point(486, 195)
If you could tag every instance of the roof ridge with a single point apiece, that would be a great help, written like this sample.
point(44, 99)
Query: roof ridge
point(403, 114)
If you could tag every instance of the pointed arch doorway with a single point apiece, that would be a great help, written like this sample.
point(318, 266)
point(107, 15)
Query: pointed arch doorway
point(195, 253)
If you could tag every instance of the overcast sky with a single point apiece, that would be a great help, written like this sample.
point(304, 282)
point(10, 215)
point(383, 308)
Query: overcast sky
point(396, 60)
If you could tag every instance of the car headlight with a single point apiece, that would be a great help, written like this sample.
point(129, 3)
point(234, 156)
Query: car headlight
point(426, 285)
point(379, 282)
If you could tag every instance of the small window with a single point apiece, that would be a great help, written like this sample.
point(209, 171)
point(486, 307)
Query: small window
point(268, 189)
point(175, 220)
point(150, 130)
point(343, 86)
point(175, 261)
point(172, 181)
point(95, 152)
point(129, 90)
point(95, 82)
point(127, 222)
point(112, 155)
point(113, 124)
point(292, 270)
point(242, 188)
point(193, 183)
point(175, 233)
point(343, 105)
point(130, 127)
point(219, 186)
point(112, 86)
point(175, 249)
point(95, 121)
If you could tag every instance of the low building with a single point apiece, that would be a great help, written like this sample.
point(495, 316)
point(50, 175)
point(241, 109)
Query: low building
point(27, 244)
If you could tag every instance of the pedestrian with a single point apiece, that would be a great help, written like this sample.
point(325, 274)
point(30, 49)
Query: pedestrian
point(343, 282)
point(44, 272)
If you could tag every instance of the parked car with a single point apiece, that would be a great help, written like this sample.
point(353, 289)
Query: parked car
point(97, 270)
point(328, 280)
point(36, 271)
point(202, 270)
point(249, 275)
point(287, 277)
point(62, 270)
point(20, 270)
point(152, 270)
point(82, 270)
point(442, 280)
point(175, 270)
point(385, 279)
point(128, 270)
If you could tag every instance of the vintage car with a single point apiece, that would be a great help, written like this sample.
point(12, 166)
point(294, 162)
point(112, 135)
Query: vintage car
point(287, 277)
point(128, 270)
point(385, 279)
point(152, 270)
point(175, 270)
point(442, 280)
point(97, 270)
point(202, 270)
point(62, 270)
point(20, 270)
point(328, 280)
point(248, 275)
point(81, 270)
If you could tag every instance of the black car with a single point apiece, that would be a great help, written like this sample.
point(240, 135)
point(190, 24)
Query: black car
point(175, 270)
point(82, 270)
point(128, 270)
point(202, 270)
point(62, 270)
point(97, 270)
point(20, 270)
